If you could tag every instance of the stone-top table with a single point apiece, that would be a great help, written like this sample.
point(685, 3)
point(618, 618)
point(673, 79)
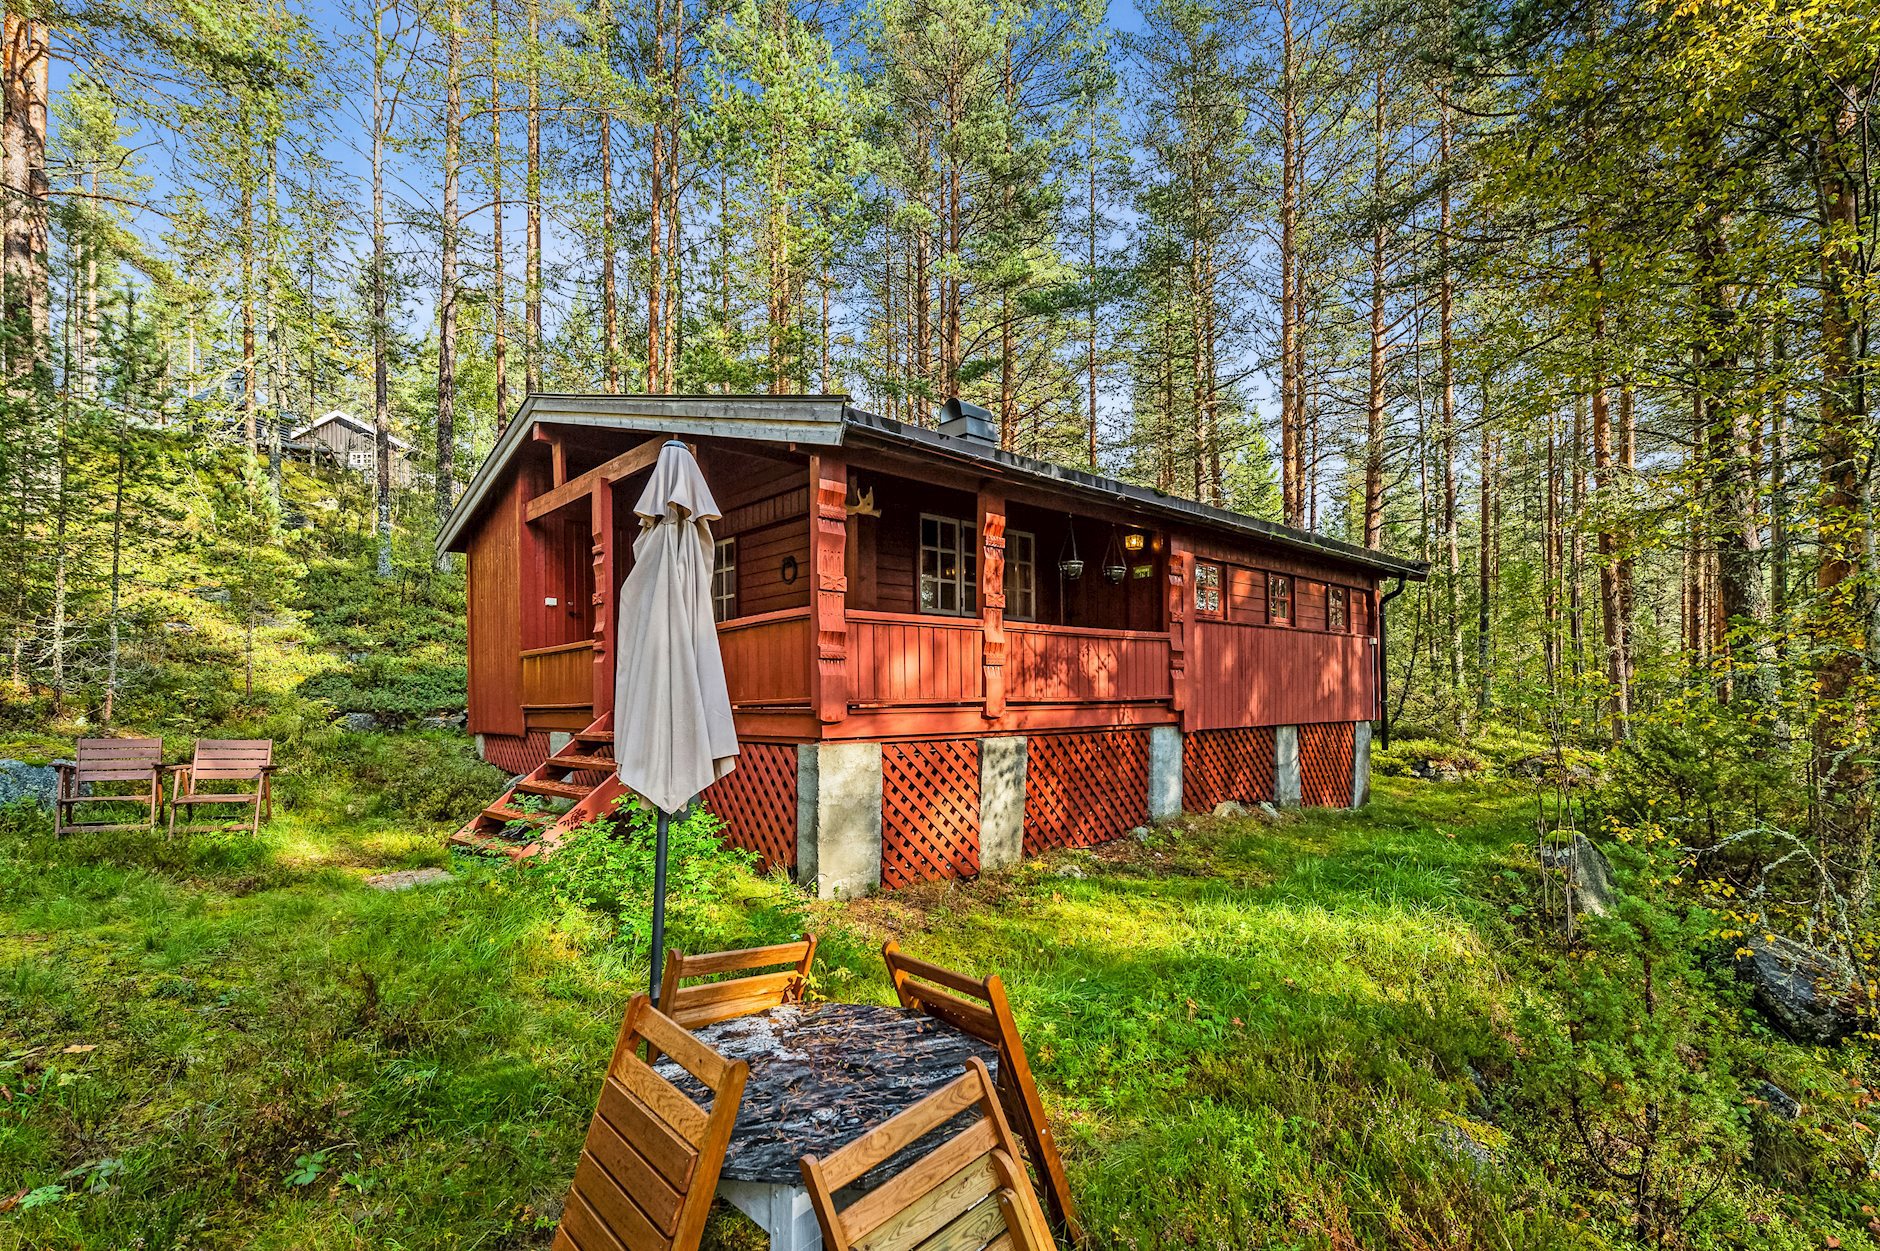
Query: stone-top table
point(821, 1075)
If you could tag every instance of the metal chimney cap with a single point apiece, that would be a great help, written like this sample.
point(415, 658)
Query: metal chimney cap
point(962, 420)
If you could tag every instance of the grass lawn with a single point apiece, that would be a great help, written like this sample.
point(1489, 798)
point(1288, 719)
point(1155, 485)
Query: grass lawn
point(1249, 1035)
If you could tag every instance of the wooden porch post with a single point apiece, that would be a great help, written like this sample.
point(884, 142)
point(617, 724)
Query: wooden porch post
point(992, 597)
point(601, 525)
point(829, 494)
point(1181, 566)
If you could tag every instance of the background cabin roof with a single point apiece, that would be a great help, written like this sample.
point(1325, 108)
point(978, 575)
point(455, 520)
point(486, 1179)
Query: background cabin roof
point(831, 421)
point(351, 422)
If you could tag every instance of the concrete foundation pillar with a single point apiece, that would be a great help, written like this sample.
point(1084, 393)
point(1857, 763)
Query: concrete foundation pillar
point(558, 739)
point(1286, 766)
point(838, 818)
point(1361, 764)
point(1001, 802)
point(1165, 772)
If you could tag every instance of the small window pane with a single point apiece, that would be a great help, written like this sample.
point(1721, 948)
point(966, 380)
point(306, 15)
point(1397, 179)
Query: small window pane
point(1021, 576)
point(724, 579)
point(1278, 597)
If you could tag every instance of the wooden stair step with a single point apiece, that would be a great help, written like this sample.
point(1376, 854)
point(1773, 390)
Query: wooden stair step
point(575, 760)
point(595, 736)
point(543, 786)
point(486, 844)
point(504, 813)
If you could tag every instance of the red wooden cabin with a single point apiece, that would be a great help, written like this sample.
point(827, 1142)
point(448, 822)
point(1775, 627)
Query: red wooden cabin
point(925, 684)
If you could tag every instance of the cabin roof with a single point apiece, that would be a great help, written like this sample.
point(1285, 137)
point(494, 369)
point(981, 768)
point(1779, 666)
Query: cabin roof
point(351, 422)
point(831, 421)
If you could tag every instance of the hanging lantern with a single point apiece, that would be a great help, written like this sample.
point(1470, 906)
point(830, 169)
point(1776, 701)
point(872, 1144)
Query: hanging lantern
point(1070, 565)
point(1115, 568)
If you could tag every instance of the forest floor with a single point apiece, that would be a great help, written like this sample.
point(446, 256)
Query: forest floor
point(1301, 1034)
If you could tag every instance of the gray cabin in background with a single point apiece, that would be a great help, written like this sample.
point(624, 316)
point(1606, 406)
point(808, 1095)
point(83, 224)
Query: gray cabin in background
point(349, 443)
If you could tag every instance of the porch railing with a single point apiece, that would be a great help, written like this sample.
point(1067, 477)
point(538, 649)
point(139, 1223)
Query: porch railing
point(559, 677)
point(1047, 664)
point(767, 658)
point(912, 659)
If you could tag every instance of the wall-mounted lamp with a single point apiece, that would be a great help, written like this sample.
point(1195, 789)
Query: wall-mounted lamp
point(1132, 542)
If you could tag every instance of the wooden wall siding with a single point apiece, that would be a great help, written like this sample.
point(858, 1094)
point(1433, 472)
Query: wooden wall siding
point(1246, 594)
point(558, 677)
point(1050, 665)
point(929, 811)
point(757, 802)
point(1308, 604)
point(517, 753)
point(564, 570)
point(1325, 764)
point(494, 586)
point(1219, 765)
point(907, 659)
point(766, 509)
point(767, 658)
point(1268, 675)
point(1082, 789)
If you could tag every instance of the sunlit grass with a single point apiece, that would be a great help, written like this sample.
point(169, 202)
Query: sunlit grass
point(1250, 1034)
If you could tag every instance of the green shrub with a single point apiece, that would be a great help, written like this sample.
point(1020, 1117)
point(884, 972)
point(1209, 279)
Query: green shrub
point(606, 866)
point(395, 688)
point(433, 776)
point(1422, 757)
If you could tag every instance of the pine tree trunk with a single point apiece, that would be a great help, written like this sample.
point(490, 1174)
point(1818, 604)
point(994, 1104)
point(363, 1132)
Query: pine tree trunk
point(532, 277)
point(610, 303)
point(446, 470)
point(381, 330)
point(499, 295)
point(1291, 420)
point(1374, 397)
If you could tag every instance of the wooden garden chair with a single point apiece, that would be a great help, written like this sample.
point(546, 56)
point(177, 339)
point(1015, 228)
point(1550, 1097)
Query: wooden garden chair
point(136, 763)
point(978, 1006)
point(650, 1164)
point(226, 760)
point(705, 1002)
point(969, 1193)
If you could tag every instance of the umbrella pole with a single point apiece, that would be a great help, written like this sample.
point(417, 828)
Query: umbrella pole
point(659, 901)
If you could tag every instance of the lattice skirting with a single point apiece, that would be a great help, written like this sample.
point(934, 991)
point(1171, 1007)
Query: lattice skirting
point(1218, 765)
point(1084, 788)
point(518, 753)
point(929, 811)
point(757, 801)
point(1325, 764)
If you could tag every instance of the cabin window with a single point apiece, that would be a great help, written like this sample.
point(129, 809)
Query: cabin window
point(1337, 604)
point(1021, 576)
point(948, 566)
point(1278, 599)
point(1208, 590)
point(724, 579)
point(361, 458)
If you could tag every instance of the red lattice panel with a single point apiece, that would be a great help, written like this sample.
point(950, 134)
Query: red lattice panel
point(1325, 764)
point(1218, 765)
point(929, 811)
point(1084, 788)
point(516, 753)
point(757, 802)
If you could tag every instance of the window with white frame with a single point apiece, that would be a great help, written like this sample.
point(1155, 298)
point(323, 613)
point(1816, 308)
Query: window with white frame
point(948, 566)
point(724, 579)
point(1021, 576)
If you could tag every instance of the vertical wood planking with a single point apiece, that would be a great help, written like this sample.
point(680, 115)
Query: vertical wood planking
point(494, 578)
point(992, 599)
point(605, 595)
point(828, 489)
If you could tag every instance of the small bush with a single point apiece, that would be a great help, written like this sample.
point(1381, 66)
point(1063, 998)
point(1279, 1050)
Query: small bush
point(1427, 758)
point(392, 687)
point(434, 776)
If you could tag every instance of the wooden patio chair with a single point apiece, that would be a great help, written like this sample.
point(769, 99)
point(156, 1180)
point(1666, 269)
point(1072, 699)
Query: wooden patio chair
point(968, 1193)
point(978, 1006)
point(226, 760)
point(650, 1164)
point(705, 1002)
point(110, 762)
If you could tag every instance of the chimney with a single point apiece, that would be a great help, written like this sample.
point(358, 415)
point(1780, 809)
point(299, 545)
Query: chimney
point(968, 421)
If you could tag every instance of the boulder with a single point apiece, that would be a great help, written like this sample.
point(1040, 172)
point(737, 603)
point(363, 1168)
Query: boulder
point(360, 722)
point(1268, 811)
point(405, 879)
point(1140, 833)
point(28, 783)
point(1587, 873)
point(1230, 808)
point(1543, 766)
point(448, 721)
point(1782, 1105)
point(1805, 992)
point(1435, 770)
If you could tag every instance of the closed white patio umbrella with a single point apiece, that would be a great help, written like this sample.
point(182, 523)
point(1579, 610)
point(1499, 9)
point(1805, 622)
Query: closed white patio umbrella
point(673, 733)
